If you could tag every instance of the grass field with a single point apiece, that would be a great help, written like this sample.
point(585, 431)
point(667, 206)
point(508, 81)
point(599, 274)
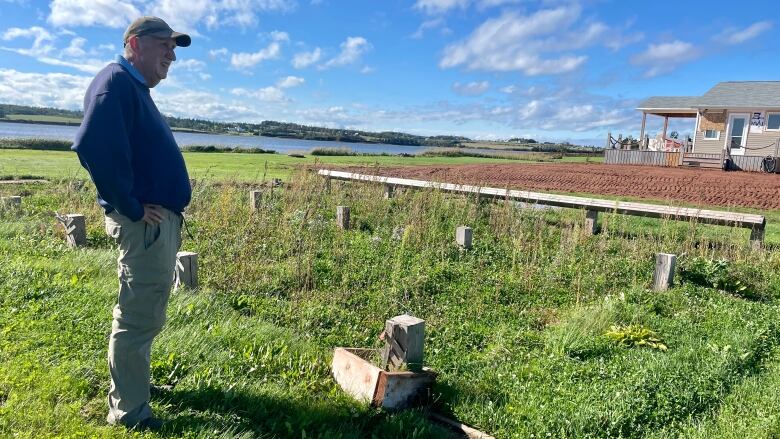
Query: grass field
point(42, 118)
point(246, 167)
point(539, 331)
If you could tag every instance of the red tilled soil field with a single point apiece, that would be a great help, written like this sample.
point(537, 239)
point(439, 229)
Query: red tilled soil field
point(703, 187)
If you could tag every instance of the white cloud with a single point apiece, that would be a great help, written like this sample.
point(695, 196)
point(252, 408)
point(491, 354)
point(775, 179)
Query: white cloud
point(734, 36)
point(247, 60)
point(427, 25)
point(265, 94)
point(367, 70)
point(351, 51)
point(76, 48)
point(202, 105)
point(218, 53)
point(107, 47)
point(290, 81)
point(537, 44)
point(188, 14)
point(191, 64)
point(471, 89)
point(108, 13)
point(664, 57)
point(441, 6)
point(58, 90)
point(73, 56)
point(280, 36)
point(305, 59)
point(41, 39)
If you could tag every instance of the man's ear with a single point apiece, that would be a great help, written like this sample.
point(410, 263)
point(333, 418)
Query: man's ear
point(132, 40)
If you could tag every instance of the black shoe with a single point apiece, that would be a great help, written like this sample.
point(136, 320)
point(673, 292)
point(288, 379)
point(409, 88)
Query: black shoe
point(149, 424)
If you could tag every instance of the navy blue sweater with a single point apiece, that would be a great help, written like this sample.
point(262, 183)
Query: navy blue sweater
point(128, 148)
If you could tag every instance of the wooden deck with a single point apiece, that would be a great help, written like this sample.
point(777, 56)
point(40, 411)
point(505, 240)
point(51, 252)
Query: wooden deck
point(756, 223)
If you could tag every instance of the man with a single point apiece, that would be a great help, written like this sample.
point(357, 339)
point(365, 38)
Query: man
point(142, 184)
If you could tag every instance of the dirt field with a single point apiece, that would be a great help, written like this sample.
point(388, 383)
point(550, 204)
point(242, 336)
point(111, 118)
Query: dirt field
point(695, 186)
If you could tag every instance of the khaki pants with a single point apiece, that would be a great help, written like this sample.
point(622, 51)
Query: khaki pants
point(147, 257)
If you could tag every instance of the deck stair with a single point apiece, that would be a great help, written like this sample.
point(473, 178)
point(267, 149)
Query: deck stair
point(700, 161)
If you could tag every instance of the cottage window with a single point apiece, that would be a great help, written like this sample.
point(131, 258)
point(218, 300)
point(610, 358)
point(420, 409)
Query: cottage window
point(712, 134)
point(773, 121)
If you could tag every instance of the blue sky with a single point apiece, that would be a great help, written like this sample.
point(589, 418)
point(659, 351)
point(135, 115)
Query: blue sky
point(486, 69)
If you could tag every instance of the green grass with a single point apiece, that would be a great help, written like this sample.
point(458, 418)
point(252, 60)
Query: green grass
point(247, 167)
point(42, 118)
point(516, 327)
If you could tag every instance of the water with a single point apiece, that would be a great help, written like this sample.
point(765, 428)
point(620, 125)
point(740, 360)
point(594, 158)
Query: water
point(285, 146)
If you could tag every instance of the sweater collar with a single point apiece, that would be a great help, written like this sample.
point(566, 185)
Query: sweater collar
point(121, 60)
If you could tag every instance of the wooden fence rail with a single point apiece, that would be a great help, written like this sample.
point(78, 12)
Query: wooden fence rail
point(756, 223)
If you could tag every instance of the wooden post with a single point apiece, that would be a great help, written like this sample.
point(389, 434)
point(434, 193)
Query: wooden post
point(342, 217)
point(777, 148)
point(591, 222)
point(187, 270)
point(681, 157)
point(11, 203)
point(620, 140)
point(757, 236)
point(609, 140)
point(327, 184)
point(75, 229)
point(389, 190)
point(647, 141)
point(404, 337)
point(255, 198)
point(663, 277)
point(666, 126)
point(642, 130)
point(463, 236)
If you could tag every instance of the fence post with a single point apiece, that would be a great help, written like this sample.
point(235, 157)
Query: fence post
point(255, 197)
point(75, 229)
point(463, 236)
point(11, 203)
point(609, 140)
point(389, 190)
point(777, 147)
point(342, 217)
point(591, 222)
point(757, 236)
point(404, 338)
point(663, 277)
point(187, 270)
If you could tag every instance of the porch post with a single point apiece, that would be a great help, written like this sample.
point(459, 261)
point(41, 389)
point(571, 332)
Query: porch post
point(666, 126)
point(642, 132)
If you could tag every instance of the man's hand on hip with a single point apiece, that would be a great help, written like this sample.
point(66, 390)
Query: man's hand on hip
point(153, 214)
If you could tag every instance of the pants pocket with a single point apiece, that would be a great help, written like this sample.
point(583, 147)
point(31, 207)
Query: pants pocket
point(151, 234)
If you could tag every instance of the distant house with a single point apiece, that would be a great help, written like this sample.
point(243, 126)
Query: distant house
point(735, 118)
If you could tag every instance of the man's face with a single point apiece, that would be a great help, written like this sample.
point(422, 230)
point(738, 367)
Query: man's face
point(154, 57)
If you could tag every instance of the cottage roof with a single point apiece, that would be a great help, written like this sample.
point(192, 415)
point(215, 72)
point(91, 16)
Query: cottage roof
point(742, 94)
point(669, 103)
point(731, 94)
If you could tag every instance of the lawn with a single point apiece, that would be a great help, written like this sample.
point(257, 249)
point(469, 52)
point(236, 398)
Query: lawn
point(246, 167)
point(42, 118)
point(540, 330)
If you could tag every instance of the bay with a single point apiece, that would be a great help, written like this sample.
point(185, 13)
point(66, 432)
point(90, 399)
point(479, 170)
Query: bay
point(278, 144)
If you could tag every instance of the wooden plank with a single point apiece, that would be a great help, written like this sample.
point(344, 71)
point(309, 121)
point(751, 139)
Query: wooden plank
point(600, 205)
point(186, 270)
point(463, 236)
point(469, 432)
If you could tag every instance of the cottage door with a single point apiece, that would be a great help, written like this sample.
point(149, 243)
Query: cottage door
point(737, 133)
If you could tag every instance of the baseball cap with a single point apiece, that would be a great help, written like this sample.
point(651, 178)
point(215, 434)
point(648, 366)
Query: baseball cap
point(156, 27)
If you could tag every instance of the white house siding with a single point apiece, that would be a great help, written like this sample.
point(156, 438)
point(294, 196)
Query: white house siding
point(765, 142)
point(708, 146)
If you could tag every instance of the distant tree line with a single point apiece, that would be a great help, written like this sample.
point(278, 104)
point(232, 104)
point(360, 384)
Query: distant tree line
point(296, 131)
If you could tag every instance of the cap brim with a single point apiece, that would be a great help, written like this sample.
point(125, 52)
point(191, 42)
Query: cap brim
point(182, 40)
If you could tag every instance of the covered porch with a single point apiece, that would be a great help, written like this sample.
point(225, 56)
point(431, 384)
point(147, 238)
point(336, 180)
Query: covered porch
point(667, 107)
